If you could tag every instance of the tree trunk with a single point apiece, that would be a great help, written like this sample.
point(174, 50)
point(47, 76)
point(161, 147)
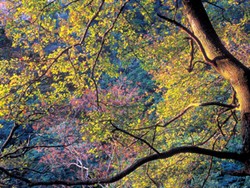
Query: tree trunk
point(223, 62)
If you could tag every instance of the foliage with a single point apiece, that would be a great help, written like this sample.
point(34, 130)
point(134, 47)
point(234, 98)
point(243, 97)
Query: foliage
point(92, 85)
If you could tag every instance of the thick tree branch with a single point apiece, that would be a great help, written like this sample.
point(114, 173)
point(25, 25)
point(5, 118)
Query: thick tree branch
point(137, 164)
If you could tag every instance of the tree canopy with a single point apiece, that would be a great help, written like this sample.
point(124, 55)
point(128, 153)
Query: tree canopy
point(124, 93)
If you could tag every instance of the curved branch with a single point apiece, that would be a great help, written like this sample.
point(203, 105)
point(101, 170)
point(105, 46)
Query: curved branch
point(191, 34)
point(164, 155)
point(196, 105)
point(159, 123)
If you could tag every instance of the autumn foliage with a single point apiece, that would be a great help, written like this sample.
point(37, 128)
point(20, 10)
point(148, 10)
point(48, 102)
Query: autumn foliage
point(124, 93)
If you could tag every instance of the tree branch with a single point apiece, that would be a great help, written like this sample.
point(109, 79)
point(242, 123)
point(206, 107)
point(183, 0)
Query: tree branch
point(100, 50)
point(191, 34)
point(196, 105)
point(158, 124)
point(91, 21)
point(65, 50)
point(134, 136)
point(7, 141)
point(137, 164)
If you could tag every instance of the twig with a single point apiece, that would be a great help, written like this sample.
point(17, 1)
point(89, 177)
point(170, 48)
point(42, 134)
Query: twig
point(210, 166)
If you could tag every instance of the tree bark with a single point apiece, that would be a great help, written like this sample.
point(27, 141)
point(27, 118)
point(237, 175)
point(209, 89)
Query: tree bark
point(222, 61)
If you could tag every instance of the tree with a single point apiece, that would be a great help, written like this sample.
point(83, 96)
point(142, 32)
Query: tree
point(68, 51)
point(223, 62)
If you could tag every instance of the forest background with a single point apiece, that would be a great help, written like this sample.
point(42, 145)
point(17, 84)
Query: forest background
point(124, 93)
